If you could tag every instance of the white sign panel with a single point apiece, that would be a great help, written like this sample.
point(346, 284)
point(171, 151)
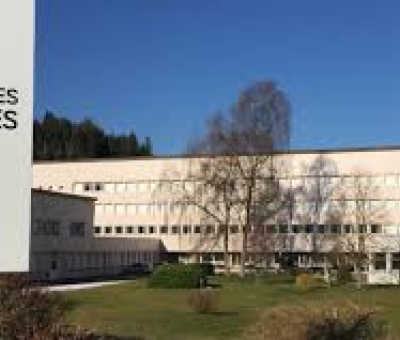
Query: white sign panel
point(16, 105)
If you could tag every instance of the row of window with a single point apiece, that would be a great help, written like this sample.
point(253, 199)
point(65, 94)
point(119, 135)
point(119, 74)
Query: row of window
point(389, 180)
point(87, 260)
point(234, 229)
point(50, 227)
point(134, 209)
point(154, 209)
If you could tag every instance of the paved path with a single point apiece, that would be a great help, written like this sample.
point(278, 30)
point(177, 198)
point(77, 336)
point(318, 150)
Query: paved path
point(79, 286)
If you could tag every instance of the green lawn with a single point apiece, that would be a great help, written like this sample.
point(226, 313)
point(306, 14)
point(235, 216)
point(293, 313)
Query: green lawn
point(131, 309)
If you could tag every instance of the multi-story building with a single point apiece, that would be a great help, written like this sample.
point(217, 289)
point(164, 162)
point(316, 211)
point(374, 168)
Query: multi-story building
point(136, 199)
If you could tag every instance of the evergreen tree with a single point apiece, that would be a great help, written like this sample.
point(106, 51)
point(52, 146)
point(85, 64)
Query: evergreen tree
point(59, 138)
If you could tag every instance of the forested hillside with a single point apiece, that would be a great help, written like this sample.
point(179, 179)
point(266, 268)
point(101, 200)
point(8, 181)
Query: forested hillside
point(56, 138)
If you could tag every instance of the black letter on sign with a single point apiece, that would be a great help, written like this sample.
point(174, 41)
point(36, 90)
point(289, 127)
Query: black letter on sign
point(10, 118)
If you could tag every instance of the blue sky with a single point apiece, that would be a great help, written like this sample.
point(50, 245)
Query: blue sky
point(161, 67)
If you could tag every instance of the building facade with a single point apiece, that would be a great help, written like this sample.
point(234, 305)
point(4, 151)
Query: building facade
point(63, 245)
point(136, 199)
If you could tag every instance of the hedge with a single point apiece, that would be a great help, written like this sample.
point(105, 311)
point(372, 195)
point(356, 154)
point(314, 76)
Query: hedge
point(179, 276)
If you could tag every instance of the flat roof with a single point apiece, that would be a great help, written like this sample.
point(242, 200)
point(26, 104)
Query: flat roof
point(292, 151)
point(62, 194)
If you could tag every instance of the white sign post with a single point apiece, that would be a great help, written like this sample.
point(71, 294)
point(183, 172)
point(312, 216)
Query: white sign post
point(16, 106)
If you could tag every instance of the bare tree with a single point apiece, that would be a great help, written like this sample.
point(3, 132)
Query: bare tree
point(237, 176)
point(316, 194)
point(363, 214)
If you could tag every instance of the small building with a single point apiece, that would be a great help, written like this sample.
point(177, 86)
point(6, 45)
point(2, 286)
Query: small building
point(63, 245)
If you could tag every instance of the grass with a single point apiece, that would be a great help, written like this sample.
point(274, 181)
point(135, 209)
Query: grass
point(131, 308)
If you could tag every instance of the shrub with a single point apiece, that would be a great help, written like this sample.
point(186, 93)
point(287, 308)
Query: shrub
point(207, 269)
point(203, 300)
point(29, 312)
point(177, 276)
point(330, 322)
point(26, 311)
point(307, 281)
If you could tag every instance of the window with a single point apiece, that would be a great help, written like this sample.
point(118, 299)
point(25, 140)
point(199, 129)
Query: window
point(120, 187)
point(197, 229)
point(296, 228)
point(271, 228)
point(54, 227)
point(283, 229)
point(98, 186)
point(77, 229)
point(348, 228)
point(297, 182)
point(129, 229)
point(47, 227)
point(391, 180)
point(131, 187)
point(99, 209)
point(141, 229)
point(108, 209)
point(377, 180)
point(362, 228)
point(309, 228)
point(392, 204)
point(142, 186)
point(175, 229)
point(163, 229)
point(234, 229)
point(348, 181)
point(119, 209)
point(210, 229)
point(118, 230)
point(152, 229)
point(396, 261)
point(77, 187)
point(335, 229)
point(380, 261)
point(97, 230)
point(376, 229)
point(109, 187)
point(321, 229)
point(86, 187)
point(186, 229)
point(108, 229)
point(364, 180)
point(131, 209)
point(142, 208)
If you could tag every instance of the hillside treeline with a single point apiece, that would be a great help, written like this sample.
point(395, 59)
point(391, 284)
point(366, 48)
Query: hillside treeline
point(56, 138)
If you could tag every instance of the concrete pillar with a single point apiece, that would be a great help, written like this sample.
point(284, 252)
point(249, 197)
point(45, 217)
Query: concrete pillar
point(388, 262)
point(370, 263)
point(299, 261)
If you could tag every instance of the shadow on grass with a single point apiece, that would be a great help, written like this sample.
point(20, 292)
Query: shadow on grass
point(221, 313)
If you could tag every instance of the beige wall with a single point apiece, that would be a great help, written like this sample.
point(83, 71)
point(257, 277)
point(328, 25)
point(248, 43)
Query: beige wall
point(56, 254)
point(131, 189)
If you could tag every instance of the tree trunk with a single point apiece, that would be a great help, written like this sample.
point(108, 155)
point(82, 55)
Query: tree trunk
point(244, 254)
point(326, 272)
point(226, 251)
point(358, 276)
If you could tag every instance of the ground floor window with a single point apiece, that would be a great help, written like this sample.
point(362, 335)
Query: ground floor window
point(396, 261)
point(380, 261)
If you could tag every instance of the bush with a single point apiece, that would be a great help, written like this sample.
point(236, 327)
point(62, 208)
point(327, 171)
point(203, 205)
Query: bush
point(203, 300)
point(207, 269)
point(29, 312)
point(345, 321)
point(307, 281)
point(177, 276)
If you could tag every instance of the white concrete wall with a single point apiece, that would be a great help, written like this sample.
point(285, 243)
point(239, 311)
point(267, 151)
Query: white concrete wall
point(65, 256)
